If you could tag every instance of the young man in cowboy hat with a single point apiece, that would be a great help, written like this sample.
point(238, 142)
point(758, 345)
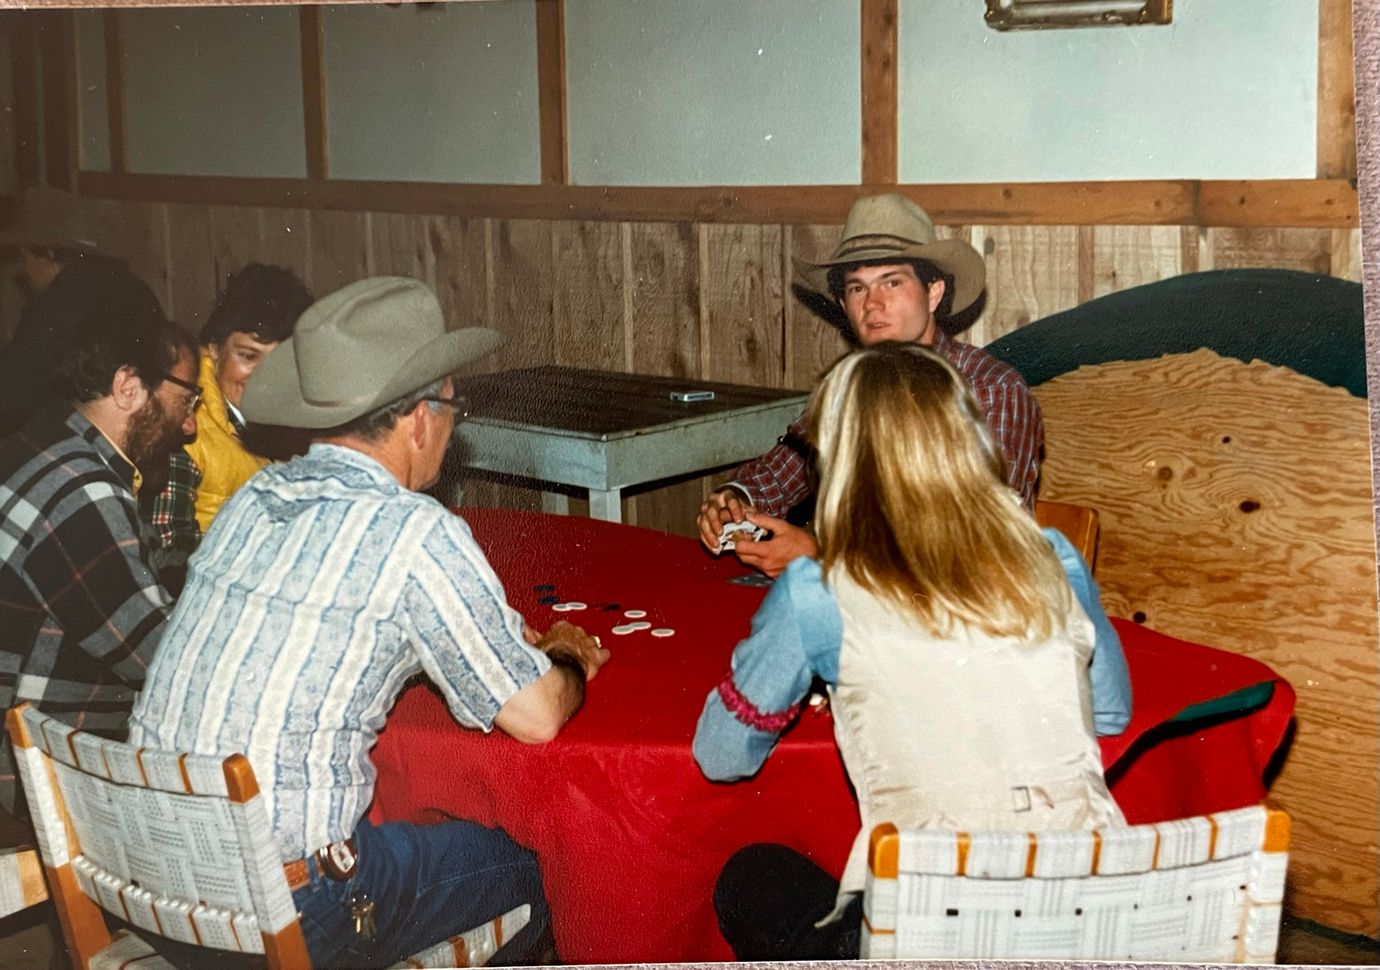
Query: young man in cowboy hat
point(894, 281)
point(56, 247)
point(321, 586)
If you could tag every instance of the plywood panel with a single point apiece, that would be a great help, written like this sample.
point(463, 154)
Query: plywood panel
point(741, 313)
point(1308, 250)
point(1235, 503)
point(1127, 256)
point(588, 298)
point(1032, 271)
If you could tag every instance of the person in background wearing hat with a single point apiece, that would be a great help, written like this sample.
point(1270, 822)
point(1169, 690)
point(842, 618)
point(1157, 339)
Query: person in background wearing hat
point(253, 314)
point(322, 585)
point(56, 248)
point(894, 281)
point(81, 607)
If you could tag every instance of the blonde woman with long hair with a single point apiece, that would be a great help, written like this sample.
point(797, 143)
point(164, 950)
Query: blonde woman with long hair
point(970, 663)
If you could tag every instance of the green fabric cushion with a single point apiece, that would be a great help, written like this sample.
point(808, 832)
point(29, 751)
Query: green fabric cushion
point(1311, 324)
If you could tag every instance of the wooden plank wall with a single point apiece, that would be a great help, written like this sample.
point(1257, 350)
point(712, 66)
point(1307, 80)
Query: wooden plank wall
point(705, 300)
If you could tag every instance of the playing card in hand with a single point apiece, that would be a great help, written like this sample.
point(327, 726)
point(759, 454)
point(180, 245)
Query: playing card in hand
point(739, 530)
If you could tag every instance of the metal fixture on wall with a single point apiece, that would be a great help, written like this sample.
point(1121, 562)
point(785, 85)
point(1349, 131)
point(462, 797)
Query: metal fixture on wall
point(1044, 14)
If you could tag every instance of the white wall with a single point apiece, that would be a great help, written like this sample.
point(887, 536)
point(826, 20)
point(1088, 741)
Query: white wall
point(446, 93)
point(214, 91)
point(713, 92)
point(1227, 91)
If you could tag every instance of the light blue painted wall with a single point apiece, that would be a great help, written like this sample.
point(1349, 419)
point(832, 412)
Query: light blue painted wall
point(214, 91)
point(447, 93)
point(1228, 91)
point(713, 92)
point(92, 120)
point(735, 92)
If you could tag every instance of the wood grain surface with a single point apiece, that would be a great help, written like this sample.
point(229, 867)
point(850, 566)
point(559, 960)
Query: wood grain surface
point(1235, 502)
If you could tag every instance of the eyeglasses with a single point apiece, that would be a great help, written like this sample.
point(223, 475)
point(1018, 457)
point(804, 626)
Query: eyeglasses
point(193, 402)
point(461, 405)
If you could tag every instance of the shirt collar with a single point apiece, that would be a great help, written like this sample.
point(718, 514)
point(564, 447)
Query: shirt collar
point(236, 418)
point(942, 342)
point(112, 454)
point(321, 451)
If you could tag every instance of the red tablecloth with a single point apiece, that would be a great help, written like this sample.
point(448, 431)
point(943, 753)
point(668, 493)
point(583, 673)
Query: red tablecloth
point(631, 836)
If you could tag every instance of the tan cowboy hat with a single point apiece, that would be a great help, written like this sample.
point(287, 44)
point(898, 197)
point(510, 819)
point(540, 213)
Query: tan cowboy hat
point(357, 350)
point(53, 219)
point(884, 226)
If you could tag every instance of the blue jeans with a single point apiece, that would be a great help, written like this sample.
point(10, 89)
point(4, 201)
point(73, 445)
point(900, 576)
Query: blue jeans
point(428, 883)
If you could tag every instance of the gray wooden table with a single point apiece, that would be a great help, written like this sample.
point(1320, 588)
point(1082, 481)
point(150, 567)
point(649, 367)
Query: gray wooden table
point(604, 432)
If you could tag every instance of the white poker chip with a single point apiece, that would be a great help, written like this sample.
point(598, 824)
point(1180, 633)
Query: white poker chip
point(634, 614)
point(639, 625)
point(663, 631)
point(567, 607)
point(624, 629)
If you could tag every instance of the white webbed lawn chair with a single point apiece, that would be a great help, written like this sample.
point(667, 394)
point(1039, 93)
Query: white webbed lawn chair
point(1197, 890)
point(176, 844)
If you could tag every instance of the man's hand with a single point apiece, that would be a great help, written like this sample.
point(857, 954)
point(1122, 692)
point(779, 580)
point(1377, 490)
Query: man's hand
point(567, 638)
point(772, 556)
point(531, 635)
point(724, 506)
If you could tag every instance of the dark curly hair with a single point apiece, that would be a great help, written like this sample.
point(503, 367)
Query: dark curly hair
point(258, 299)
point(925, 271)
point(133, 337)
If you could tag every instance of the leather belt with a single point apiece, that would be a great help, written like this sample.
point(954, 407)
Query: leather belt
point(336, 861)
point(298, 874)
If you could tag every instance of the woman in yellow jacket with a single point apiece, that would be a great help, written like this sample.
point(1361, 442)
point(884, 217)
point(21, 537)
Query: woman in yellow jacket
point(253, 314)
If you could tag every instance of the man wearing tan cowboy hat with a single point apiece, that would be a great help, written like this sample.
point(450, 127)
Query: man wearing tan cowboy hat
point(893, 280)
point(60, 253)
point(321, 586)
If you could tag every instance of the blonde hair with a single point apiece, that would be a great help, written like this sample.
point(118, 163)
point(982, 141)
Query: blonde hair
point(913, 502)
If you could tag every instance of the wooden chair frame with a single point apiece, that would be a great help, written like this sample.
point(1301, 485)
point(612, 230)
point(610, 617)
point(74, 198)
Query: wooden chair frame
point(1078, 523)
point(81, 888)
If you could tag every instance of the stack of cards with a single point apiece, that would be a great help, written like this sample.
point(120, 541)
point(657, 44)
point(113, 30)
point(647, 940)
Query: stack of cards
point(739, 530)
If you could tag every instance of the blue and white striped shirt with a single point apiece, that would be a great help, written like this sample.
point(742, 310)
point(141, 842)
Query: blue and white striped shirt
point(321, 586)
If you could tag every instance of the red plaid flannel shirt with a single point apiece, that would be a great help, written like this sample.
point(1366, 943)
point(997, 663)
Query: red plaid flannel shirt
point(778, 480)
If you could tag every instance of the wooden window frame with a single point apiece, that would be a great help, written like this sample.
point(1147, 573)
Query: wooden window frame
point(1328, 201)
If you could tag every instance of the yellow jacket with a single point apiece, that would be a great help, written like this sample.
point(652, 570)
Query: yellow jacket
point(225, 463)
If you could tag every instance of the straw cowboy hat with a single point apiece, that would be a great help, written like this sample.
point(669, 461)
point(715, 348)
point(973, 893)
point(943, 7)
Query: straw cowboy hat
point(892, 226)
point(357, 350)
point(53, 219)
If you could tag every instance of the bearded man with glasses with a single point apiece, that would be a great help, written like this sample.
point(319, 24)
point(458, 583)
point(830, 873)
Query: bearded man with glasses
point(81, 604)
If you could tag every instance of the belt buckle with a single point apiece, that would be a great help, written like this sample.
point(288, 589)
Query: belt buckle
point(338, 860)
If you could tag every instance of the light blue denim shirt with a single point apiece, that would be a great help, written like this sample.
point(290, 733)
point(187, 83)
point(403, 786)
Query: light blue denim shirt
point(797, 634)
